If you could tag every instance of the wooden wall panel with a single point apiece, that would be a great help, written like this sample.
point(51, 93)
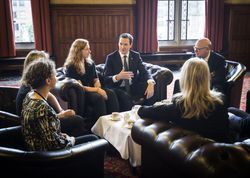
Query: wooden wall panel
point(100, 24)
point(239, 33)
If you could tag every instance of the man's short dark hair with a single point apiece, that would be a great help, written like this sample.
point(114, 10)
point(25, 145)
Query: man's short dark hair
point(128, 36)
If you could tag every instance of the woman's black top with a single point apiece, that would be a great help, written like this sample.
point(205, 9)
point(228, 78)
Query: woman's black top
point(87, 79)
point(22, 92)
point(215, 126)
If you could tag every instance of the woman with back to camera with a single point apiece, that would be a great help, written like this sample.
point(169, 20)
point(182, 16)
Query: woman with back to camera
point(40, 122)
point(24, 88)
point(81, 67)
point(73, 124)
point(196, 107)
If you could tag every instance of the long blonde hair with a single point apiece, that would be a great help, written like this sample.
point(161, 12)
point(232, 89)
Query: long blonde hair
point(75, 56)
point(33, 55)
point(196, 98)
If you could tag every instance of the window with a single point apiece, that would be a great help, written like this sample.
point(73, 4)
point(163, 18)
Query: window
point(180, 22)
point(22, 16)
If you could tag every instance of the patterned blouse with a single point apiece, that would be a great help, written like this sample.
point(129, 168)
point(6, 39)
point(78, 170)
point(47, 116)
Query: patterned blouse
point(41, 127)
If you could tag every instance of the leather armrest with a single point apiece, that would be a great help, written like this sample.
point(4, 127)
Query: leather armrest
point(8, 119)
point(86, 157)
point(162, 78)
point(62, 87)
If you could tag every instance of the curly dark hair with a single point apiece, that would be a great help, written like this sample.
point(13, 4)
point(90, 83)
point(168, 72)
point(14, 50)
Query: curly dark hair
point(38, 71)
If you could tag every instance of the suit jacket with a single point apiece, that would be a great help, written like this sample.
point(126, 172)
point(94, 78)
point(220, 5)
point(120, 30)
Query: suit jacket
point(113, 66)
point(217, 67)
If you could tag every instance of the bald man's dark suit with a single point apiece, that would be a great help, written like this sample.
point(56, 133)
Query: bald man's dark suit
point(218, 71)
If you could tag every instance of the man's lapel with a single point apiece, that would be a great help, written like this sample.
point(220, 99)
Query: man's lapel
point(118, 61)
point(131, 62)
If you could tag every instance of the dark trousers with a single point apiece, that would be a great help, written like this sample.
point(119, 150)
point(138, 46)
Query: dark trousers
point(136, 96)
point(112, 103)
point(74, 126)
point(85, 138)
point(124, 99)
point(177, 88)
point(240, 122)
point(99, 105)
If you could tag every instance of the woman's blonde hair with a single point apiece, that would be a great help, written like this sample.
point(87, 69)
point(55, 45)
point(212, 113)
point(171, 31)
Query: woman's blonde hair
point(196, 98)
point(75, 55)
point(32, 56)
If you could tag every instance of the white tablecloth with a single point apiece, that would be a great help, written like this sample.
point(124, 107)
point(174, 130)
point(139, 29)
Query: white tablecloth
point(119, 136)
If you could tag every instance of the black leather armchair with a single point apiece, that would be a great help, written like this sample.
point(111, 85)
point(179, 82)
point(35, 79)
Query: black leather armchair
point(69, 91)
point(235, 76)
point(84, 160)
point(170, 151)
point(8, 115)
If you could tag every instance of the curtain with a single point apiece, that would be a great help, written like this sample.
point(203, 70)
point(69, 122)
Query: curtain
point(41, 25)
point(147, 26)
point(214, 14)
point(7, 40)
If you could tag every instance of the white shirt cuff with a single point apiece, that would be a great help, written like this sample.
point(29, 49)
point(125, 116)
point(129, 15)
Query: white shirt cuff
point(114, 79)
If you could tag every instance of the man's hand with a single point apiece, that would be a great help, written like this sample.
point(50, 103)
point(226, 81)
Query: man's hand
point(150, 90)
point(124, 75)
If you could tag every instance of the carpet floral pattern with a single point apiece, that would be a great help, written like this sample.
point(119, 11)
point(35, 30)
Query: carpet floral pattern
point(245, 88)
point(115, 167)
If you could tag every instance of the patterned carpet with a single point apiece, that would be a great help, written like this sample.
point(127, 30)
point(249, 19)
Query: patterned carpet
point(115, 167)
point(10, 78)
point(245, 88)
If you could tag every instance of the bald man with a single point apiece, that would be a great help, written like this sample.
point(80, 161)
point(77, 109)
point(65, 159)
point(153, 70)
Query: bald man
point(216, 63)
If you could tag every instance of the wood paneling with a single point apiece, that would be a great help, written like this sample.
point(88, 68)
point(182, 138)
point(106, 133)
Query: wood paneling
point(100, 24)
point(239, 33)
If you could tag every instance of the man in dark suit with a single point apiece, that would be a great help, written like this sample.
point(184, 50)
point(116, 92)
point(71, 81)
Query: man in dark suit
point(125, 73)
point(216, 64)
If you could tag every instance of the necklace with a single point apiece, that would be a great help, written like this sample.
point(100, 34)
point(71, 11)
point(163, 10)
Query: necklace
point(40, 95)
point(44, 100)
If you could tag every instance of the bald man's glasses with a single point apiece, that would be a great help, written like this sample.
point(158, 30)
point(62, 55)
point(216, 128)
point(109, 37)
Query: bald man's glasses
point(199, 49)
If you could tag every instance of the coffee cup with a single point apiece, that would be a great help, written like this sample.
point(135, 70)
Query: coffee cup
point(129, 118)
point(115, 116)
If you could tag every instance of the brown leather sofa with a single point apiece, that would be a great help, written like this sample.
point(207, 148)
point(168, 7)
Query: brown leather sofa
point(83, 160)
point(72, 94)
point(8, 115)
point(170, 151)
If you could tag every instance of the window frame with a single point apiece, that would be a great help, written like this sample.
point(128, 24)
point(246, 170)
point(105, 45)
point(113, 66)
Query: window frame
point(177, 45)
point(22, 47)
